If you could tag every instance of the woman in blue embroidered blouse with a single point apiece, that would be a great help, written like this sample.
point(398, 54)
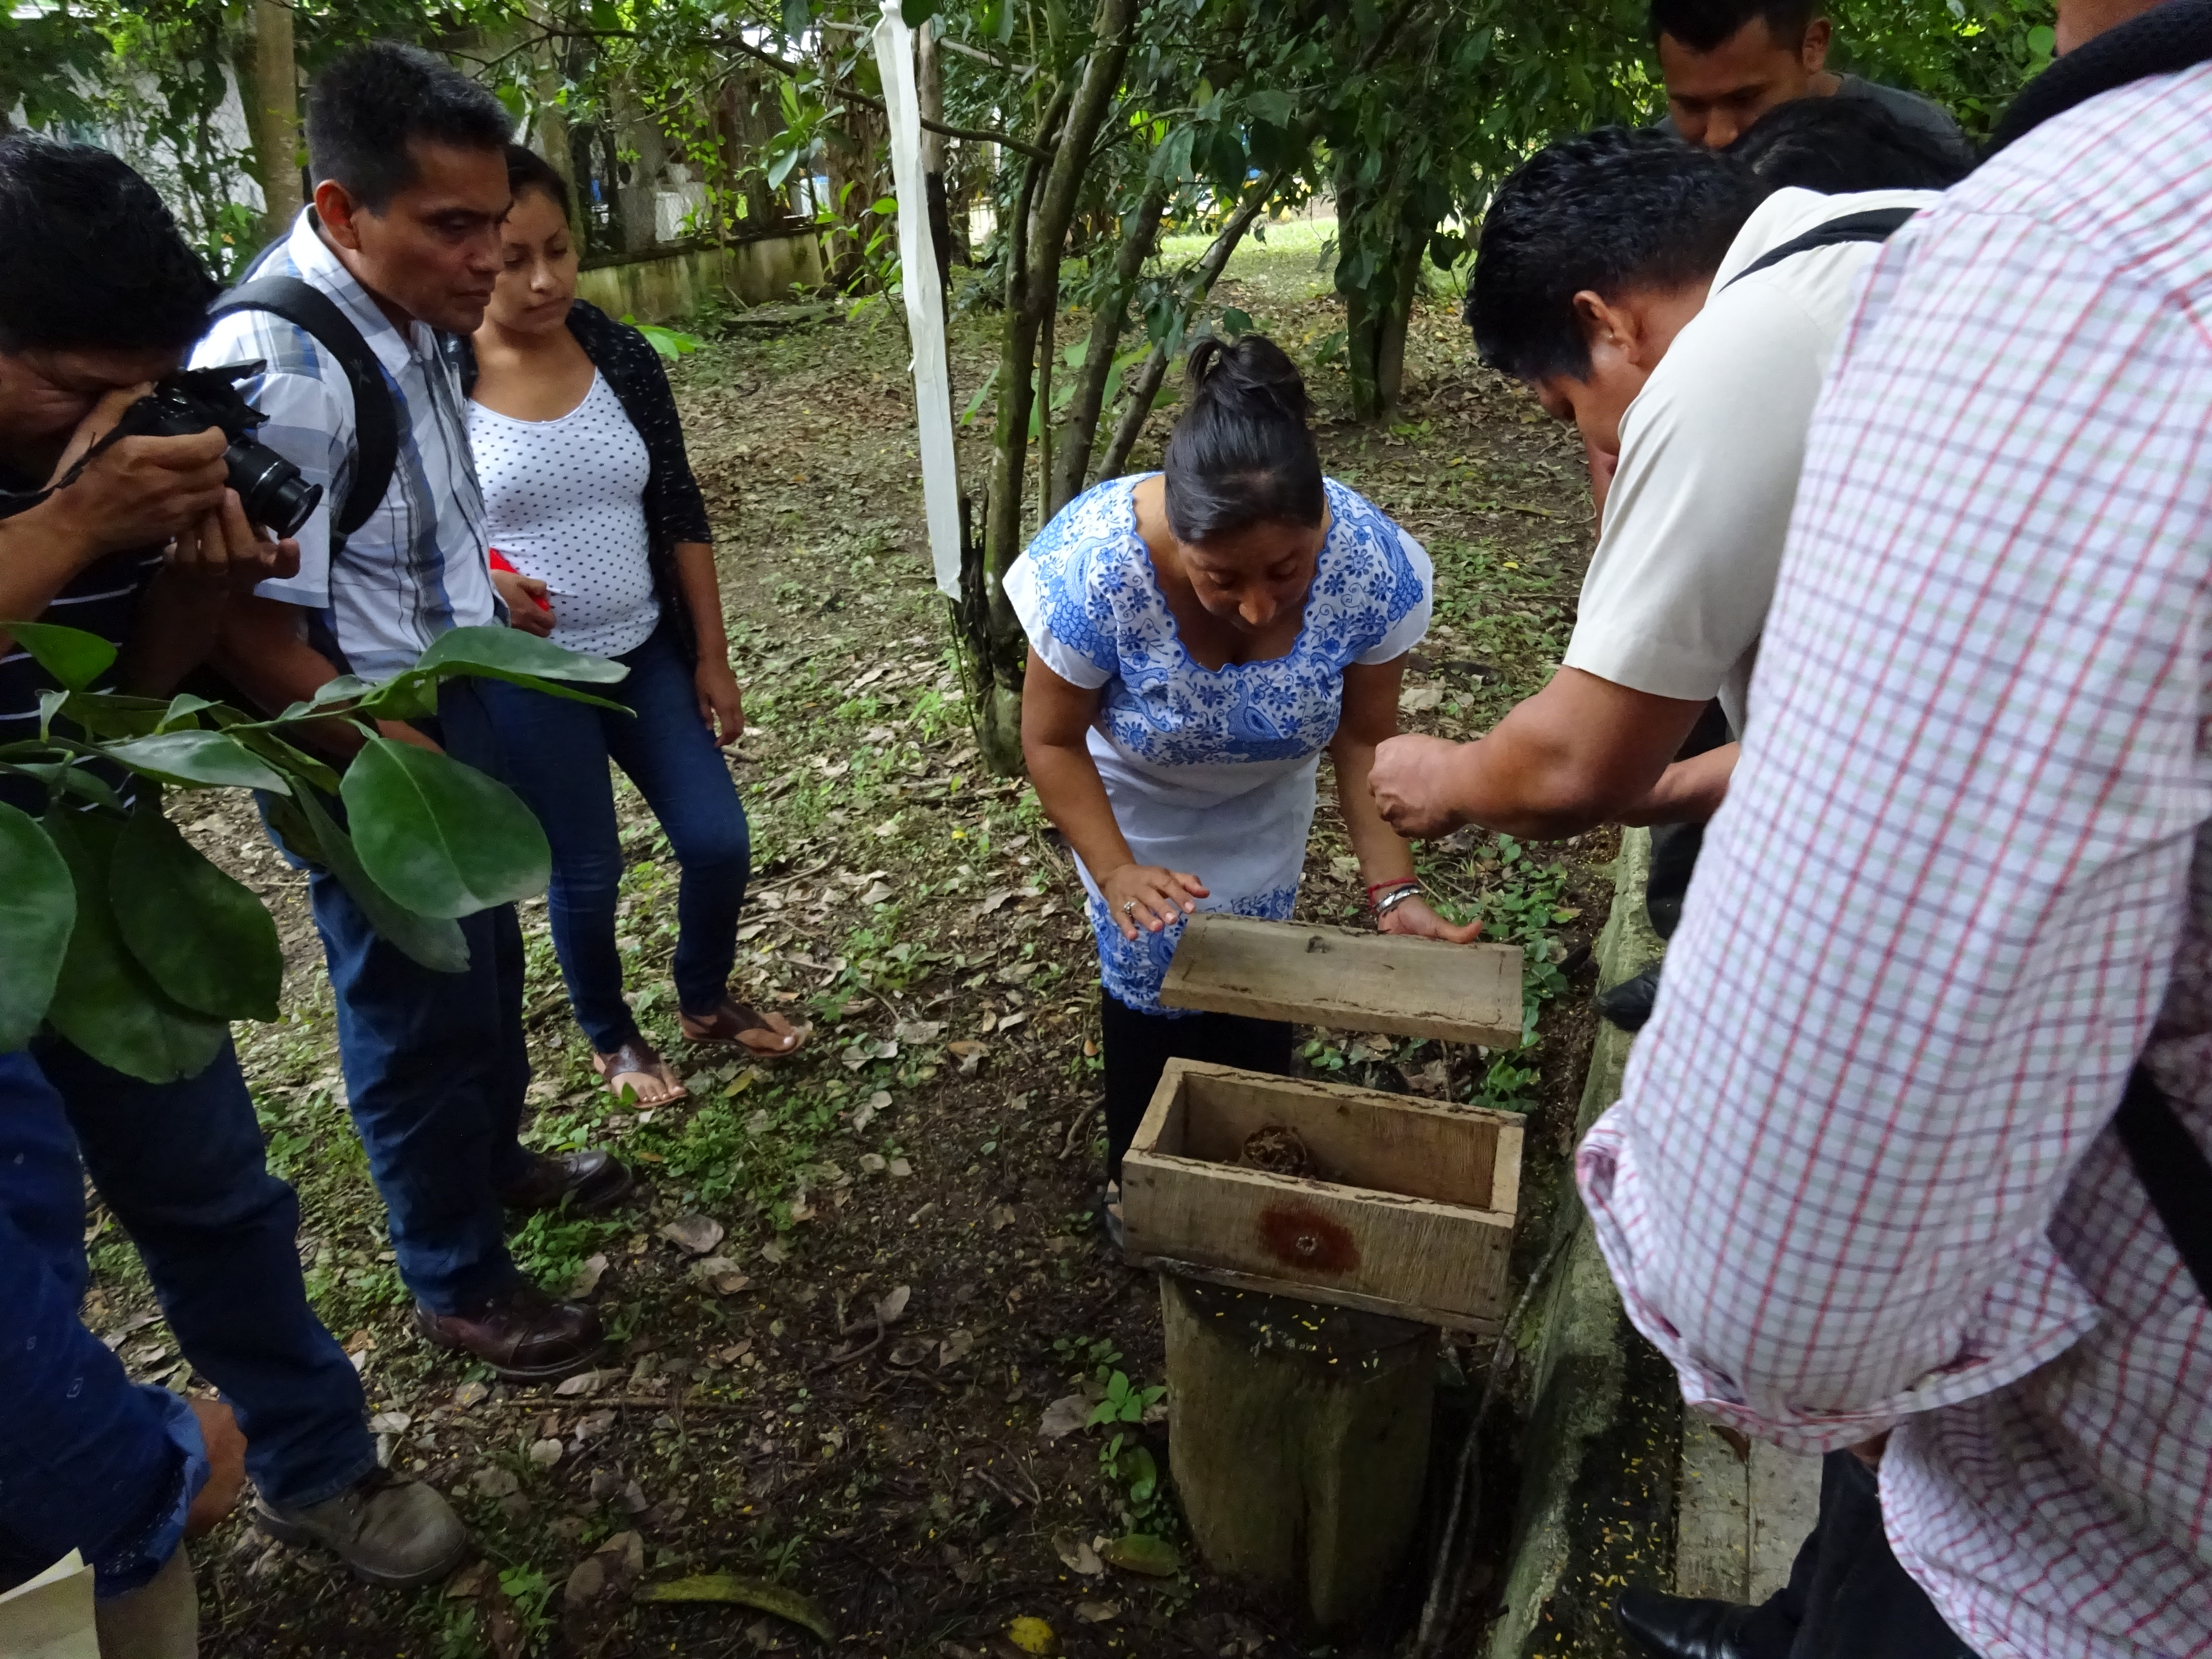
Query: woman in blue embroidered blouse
point(1197, 637)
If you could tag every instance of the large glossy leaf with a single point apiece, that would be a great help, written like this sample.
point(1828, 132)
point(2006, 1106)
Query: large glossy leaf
point(503, 651)
point(204, 938)
point(104, 1001)
point(73, 658)
point(38, 903)
point(441, 837)
point(205, 757)
point(435, 942)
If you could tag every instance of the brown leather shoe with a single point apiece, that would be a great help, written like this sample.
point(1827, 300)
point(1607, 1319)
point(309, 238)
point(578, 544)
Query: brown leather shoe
point(525, 1336)
point(590, 1182)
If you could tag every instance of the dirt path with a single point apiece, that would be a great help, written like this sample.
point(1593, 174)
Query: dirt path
point(932, 1157)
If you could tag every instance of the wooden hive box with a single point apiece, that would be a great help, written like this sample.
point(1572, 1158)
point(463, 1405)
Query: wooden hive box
point(1412, 1213)
point(1355, 981)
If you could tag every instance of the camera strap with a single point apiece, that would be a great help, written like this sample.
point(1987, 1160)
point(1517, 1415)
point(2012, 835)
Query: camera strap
point(375, 412)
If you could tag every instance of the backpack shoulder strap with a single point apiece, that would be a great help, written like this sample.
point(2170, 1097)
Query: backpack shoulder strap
point(1874, 225)
point(2174, 1170)
point(376, 417)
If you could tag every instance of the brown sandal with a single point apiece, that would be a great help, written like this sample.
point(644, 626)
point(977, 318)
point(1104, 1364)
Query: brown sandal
point(766, 1036)
point(637, 1058)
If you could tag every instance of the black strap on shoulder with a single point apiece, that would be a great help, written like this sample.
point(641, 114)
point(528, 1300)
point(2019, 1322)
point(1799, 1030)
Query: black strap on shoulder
point(375, 415)
point(1874, 225)
point(2174, 1170)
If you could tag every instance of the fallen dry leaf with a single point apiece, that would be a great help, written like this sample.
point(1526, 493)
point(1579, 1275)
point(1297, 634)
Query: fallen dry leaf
point(1031, 1635)
point(694, 1235)
point(955, 1348)
point(389, 1423)
point(1077, 1556)
point(786, 1604)
point(1064, 1416)
point(891, 1305)
point(545, 1453)
point(1097, 1613)
point(587, 1276)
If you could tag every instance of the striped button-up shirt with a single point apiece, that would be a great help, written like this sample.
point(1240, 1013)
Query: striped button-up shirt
point(418, 566)
point(1862, 1173)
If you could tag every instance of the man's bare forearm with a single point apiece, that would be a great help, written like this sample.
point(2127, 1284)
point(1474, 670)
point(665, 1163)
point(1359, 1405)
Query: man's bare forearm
point(1688, 792)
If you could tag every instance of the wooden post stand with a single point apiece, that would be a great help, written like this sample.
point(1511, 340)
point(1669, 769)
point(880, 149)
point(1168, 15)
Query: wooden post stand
point(1298, 1436)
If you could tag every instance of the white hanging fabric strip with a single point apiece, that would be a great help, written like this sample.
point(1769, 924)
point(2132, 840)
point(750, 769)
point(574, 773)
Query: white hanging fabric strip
point(925, 301)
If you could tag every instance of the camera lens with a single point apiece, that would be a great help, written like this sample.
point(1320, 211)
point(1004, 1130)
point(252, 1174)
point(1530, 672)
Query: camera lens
point(270, 487)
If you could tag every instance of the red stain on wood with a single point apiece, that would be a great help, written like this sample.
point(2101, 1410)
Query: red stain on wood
point(1301, 1237)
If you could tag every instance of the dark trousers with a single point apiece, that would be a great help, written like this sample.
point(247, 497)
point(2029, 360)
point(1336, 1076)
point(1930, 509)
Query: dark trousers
point(435, 1067)
point(180, 1166)
point(1138, 1045)
point(557, 757)
point(88, 1460)
point(1674, 846)
point(1847, 1597)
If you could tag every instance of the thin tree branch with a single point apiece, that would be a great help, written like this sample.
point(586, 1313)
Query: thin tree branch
point(974, 136)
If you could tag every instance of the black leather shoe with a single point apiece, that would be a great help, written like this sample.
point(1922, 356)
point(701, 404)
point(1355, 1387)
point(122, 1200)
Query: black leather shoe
point(590, 1182)
point(1680, 1627)
point(525, 1336)
point(1628, 1005)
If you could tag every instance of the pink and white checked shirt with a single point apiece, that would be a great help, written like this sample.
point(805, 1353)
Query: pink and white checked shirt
point(1861, 1173)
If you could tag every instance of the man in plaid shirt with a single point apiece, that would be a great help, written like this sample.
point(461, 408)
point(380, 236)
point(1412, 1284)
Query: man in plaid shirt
point(1861, 1182)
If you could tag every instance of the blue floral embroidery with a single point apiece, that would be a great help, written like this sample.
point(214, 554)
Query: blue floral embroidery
point(1132, 969)
point(1095, 581)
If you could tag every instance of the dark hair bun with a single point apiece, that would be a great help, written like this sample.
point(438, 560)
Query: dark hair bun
point(1252, 376)
point(1242, 455)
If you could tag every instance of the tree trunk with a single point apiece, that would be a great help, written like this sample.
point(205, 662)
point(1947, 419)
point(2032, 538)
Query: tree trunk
point(1037, 238)
point(929, 101)
point(1142, 388)
point(1079, 433)
point(270, 83)
point(635, 209)
point(1382, 238)
point(1298, 1437)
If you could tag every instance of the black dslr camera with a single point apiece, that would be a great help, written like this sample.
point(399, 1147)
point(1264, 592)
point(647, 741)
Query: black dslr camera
point(194, 399)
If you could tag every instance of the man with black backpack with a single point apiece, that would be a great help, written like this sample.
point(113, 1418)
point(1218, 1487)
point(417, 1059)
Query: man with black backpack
point(400, 248)
point(1909, 1168)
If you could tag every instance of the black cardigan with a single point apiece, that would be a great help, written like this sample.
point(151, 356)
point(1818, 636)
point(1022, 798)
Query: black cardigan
point(674, 510)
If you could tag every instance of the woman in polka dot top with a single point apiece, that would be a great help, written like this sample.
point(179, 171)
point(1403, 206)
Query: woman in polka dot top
point(587, 495)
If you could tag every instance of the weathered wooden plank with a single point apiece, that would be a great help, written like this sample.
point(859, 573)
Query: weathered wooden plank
point(1356, 982)
point(1362, 1240)
point(1358, 1137)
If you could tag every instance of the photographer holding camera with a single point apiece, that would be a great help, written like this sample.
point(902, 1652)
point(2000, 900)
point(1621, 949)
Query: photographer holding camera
point(399, 249)
point(120, 517)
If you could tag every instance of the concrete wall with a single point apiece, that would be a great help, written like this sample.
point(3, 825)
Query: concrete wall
point(666, 288)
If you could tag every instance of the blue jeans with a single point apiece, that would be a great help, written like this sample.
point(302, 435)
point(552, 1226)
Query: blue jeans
point(180, 1165)
point(89, 1460)
point(436, 1068)
point(556, 754)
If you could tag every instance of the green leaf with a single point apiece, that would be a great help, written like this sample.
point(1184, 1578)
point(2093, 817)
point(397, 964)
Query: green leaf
point(728, 1587)
point(72, 657)
point(435, 942)
point(104, 1001)
point(38, 906)
point(441, 837)
point(206, 939)
point(918, 12)
point(1234, 322)
point(184, 705)
point(1140, 1552)
point(797, 17)
point(204, 757)
point(503, 652)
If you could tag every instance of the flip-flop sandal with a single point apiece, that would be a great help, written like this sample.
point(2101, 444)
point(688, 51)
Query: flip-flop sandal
point(636, 1058)
point(763, 1035)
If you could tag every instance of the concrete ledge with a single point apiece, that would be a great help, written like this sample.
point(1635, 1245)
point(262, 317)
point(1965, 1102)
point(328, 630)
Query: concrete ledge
point(1603, 1434)
point(666, 288)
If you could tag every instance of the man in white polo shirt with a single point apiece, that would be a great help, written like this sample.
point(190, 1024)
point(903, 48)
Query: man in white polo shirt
point(1634, 283)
